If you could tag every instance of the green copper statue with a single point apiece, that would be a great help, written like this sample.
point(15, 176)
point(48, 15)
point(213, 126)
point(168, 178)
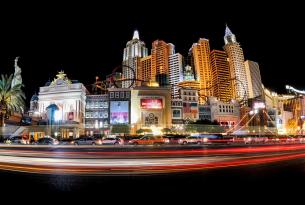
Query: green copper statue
point(17, 75)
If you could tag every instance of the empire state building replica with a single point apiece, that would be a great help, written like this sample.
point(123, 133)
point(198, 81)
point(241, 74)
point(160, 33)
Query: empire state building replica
point(134, 51)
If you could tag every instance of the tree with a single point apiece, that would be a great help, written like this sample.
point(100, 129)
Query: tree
point(166, 130)
point(203, 122)
point(120, 128)
point(141, 131)
point(204, 126)
point(11, 98)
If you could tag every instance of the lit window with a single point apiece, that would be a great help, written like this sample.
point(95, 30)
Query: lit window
point(111, 95)
point(101, 115)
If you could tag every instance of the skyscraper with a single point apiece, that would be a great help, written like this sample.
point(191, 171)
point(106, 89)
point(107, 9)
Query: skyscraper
point(201, 57)
point(254, 79)
point(237, 67)
point(175, 73)
point(134, 51)
point(145, 72)
point(222, 85)
point(160, 53)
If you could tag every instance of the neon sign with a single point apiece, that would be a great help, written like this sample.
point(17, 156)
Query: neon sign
point(152, 103)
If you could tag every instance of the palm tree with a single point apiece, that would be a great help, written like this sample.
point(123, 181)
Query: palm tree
point(12, 99)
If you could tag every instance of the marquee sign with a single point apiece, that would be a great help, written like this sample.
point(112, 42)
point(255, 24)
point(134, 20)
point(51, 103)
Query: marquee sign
point(152, 103)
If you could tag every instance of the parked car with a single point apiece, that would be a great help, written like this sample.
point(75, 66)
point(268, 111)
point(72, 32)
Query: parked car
point(17, 140)
point(127, 138)
point(66, 141)
point(47, 141)
point(174, 139)
point(149, 140)
point(86, 141)
point(193, 140)
point(113, 140)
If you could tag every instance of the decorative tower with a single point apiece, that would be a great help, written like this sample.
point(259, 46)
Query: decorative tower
point(237, 67)
point(134, 51)
point(188, 73)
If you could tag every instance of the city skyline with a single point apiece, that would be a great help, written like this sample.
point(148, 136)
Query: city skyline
point(218, 106)
point(96, 44)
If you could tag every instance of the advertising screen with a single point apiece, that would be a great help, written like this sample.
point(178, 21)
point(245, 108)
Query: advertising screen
point(119, 112)
point(259, 105)
point(71, 116)
point(151, 103)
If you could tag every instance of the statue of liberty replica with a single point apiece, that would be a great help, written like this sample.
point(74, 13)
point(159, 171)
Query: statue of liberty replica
point(17, 80)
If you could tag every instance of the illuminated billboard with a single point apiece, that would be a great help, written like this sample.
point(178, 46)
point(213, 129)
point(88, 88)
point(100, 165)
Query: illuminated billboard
point(119, 112)
point(259, 105)
point(152, 103)
point(71, 116)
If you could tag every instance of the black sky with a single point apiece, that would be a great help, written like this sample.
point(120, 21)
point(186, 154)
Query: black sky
point(88, 40)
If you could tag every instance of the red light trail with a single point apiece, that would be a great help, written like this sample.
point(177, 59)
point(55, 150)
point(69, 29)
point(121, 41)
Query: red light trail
point(141, 162)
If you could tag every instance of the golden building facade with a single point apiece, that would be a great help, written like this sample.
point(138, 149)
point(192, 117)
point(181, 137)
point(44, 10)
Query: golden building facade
point(221, 80)
point(146, 72)
point(201, 57)
point(160, 53)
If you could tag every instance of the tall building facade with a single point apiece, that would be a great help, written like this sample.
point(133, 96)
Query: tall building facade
point(221, 80)
point(134, 51)
point(227, 114)
point(254, 79)
point(237, 67)
point(189, 97)
point(97, 114)
point(201, 57)
point(146, 73)
point(160, 53)
point(175, 73)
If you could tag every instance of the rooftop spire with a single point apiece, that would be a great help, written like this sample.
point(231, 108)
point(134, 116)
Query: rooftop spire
point(229, 36)
point(228, 32)
point(136, 35)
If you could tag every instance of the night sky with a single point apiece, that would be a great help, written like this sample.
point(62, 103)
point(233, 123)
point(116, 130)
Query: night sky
point(88, 40)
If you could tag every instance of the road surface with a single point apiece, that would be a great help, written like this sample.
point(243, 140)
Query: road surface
point(140, 160)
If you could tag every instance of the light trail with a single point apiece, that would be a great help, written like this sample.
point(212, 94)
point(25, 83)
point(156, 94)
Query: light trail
point(97, 163)
point(200, 152)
